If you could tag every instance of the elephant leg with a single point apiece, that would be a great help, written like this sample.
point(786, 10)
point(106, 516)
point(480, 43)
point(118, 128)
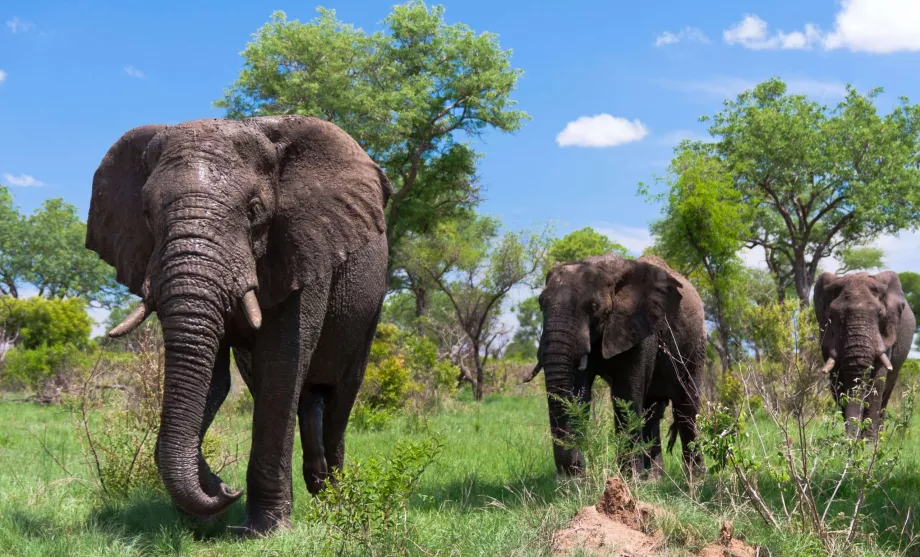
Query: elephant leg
point(310, 417)
point(622, 420)
point(243, 359)
point(651, 433)
point(280, 357)
point(685, 411)
point(355, 301)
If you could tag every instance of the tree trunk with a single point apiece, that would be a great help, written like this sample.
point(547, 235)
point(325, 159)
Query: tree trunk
point(480, 377)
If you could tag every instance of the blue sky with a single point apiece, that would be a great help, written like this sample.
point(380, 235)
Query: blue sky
point(623, 82)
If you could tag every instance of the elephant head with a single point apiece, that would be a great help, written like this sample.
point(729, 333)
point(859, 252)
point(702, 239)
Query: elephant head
point(209, 222)
point(599, 307)
point(860, 316)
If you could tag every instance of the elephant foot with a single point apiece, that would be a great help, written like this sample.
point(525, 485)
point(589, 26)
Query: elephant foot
point(260, 524)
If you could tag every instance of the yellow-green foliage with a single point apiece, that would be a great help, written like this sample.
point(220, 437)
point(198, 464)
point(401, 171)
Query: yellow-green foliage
point(402, 367)
point(46, 322)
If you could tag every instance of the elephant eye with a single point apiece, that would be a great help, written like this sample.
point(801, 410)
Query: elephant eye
point(255, 210)
point(147, 219)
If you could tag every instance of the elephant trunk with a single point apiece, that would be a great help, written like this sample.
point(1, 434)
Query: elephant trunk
point(863, 361)
point(558, 355)
point(191, 307)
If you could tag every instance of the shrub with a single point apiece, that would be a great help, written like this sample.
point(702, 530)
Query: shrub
point(366, 503)
point(403, 369)
point(25, 368)
point(46, 322)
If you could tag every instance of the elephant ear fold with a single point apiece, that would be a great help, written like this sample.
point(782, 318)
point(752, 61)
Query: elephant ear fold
point(329, 202)
point(645, 299)
point(115, 227)
point(827, 287)
point(895, 305)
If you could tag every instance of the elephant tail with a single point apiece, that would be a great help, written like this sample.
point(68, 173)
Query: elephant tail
point(672, 432)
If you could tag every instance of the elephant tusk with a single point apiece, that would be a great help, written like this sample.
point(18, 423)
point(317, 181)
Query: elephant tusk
point(137, 316)
point(583, 364)
point(534, 373)
point(885, 361)
point(251, 308)
point(829, 365)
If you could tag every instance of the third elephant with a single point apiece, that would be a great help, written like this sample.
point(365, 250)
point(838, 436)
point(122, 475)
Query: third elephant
point(639, 326)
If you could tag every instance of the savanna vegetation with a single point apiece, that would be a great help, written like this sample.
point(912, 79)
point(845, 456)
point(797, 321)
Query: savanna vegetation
point(448, 451)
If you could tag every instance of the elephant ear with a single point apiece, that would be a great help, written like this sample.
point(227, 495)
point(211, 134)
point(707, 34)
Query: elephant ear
point(827, 288)
point(329, 202)
point(895, 304)
point(645, 298)
point(115, 227)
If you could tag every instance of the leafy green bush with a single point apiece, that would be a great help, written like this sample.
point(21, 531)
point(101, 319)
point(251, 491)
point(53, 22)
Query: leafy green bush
point(403, 370)
point(366, 504)
point(30, 368)
point(46, 322)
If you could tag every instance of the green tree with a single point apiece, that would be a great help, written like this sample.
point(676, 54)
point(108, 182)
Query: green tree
point(700, 234)
point(582, 243)
point(43, 322)
point(14, 259)
point(818, 180)
point(860, 258)
point(407, 95)
point(61, 266)
point(475, 266)
point(523, 344)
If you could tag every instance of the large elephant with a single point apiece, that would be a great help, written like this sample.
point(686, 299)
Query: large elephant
point(867, 329)
point(638, 325)
point(265, 235)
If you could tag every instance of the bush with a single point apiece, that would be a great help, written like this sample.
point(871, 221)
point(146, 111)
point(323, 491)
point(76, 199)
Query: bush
point(31, 368)
point(366, 504)
point(40, 322)
point(403, 370)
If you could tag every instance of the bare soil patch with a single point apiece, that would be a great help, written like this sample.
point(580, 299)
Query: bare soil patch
point(619, 525)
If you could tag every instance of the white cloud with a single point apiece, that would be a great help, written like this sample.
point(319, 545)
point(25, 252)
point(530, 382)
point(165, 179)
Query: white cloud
point(633, 238)
point(876, 26)
point(602, 130)
point(134, 72)
point(688, 34)
point(754, 33)
point(879, 26)
point(23, 181)
point(17, 25)
point(723, 87)
point(3, 75)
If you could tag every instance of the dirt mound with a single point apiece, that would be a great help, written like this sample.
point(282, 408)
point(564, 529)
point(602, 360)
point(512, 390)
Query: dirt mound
point(618, 525)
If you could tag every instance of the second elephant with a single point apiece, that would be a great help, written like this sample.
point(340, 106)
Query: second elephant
point(638, 325)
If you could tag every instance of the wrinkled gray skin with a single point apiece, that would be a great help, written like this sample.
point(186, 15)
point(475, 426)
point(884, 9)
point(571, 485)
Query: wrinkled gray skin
point(619, 313)
point(863, 319)
point(267, 236)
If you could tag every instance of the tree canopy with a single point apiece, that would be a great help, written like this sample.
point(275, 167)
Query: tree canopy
point(817, 179)
point(700, 233)
point(475, 265)
point(407, 95)
point(860, 259)
point(46, 250)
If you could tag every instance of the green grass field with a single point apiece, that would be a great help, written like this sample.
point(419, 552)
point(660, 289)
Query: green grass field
point(491, 491)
